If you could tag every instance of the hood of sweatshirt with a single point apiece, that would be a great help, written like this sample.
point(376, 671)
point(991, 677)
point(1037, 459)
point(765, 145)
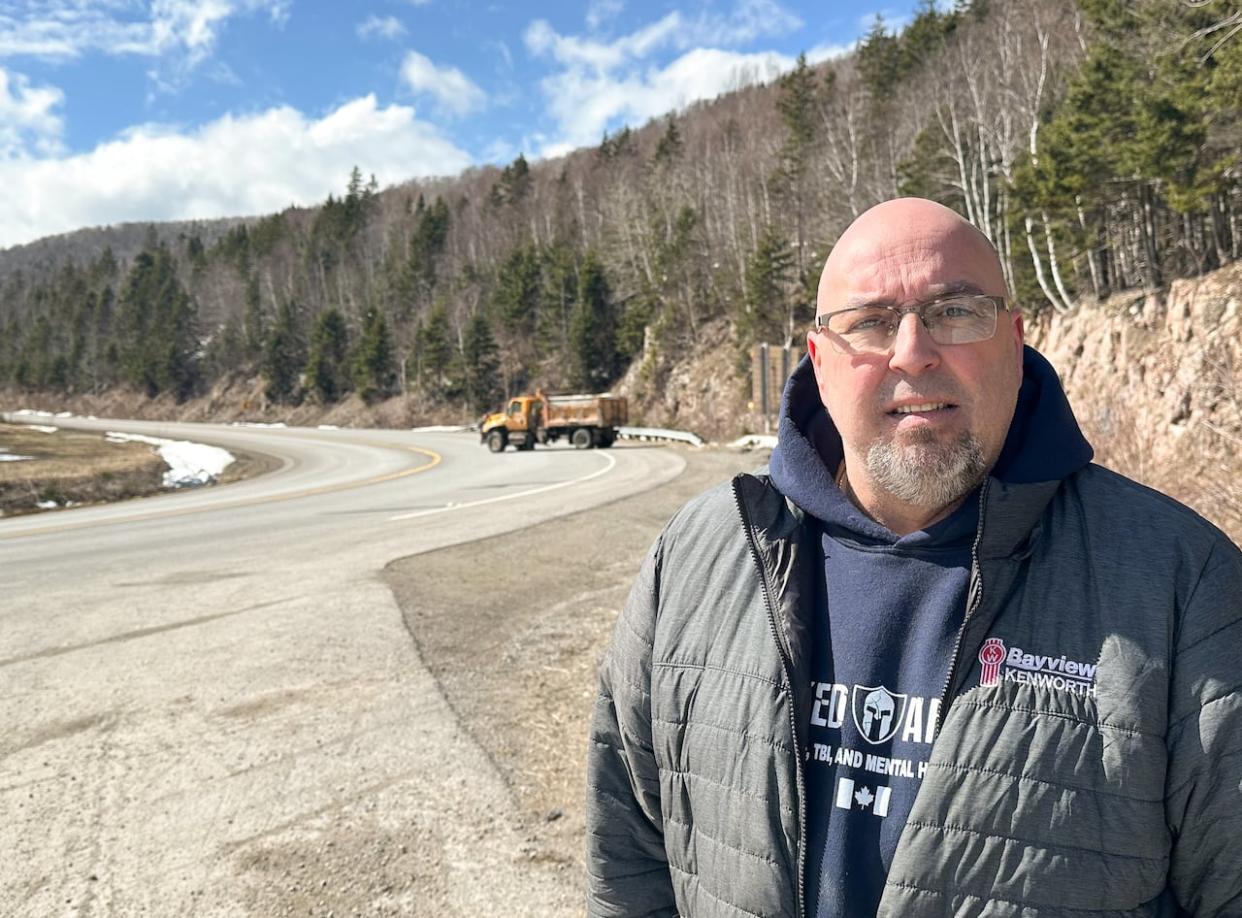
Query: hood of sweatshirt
point(1044, 443)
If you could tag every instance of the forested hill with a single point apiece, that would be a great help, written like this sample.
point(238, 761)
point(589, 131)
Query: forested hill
point(1096, 142)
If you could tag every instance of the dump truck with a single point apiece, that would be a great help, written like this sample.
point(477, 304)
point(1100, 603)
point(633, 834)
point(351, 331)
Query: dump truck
point(586, 420)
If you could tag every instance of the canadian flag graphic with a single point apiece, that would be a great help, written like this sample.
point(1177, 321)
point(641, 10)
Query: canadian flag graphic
point(848, 795)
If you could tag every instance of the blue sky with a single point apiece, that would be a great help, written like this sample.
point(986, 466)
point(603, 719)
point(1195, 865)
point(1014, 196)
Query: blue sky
point(115, 110)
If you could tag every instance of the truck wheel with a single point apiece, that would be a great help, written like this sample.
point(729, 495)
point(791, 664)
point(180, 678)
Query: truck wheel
point(496, 441)
point(582, 438)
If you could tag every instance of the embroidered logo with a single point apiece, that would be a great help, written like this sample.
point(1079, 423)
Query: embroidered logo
point(1013, 664)
point(992, 655)
point(877, 712)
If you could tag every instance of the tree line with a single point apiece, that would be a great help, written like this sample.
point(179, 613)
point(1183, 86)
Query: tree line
point(1095, 142)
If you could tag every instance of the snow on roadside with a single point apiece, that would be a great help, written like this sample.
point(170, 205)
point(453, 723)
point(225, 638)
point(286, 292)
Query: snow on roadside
point(440, 428)
point(10, 457)
point(189, 464)
point(42, 428)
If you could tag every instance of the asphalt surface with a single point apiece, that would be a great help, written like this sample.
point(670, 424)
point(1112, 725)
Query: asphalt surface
point(211, 702)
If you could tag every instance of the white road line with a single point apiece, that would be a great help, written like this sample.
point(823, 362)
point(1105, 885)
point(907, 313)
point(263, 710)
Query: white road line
point(495, 500)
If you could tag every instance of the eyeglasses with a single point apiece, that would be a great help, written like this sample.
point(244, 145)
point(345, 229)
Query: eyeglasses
point(958, 319)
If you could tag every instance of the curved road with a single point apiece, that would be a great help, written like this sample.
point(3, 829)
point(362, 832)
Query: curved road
point(198, 687)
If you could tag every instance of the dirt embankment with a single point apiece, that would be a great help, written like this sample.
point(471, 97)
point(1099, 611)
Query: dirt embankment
point(512, 628)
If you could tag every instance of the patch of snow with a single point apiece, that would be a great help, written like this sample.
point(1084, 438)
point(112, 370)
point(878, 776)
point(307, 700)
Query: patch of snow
point(10, 457)
point(65, 414)
point(277, 426)
point(41, 428)
point(189, 464)
point(31, 413)
point(328, 427)
point(441, 428)
point(46, 504)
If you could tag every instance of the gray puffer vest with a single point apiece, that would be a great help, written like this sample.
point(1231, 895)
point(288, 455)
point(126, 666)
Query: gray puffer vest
point(1109, 787)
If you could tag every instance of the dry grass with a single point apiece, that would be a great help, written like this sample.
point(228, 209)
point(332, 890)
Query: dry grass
point(72, 467)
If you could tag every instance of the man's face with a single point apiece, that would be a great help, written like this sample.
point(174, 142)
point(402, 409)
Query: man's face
point(930, 456)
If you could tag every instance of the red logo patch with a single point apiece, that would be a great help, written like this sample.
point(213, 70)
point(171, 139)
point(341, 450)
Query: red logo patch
point(991, 655)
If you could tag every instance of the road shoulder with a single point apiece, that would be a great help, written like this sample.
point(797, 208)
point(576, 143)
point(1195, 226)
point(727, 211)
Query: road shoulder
point(512, 629)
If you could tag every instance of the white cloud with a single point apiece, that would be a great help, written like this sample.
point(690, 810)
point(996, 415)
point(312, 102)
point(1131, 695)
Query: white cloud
point(235, 165)
point(70, 28)
point(749, 20)
point(375, 27)
point(601, 11)
point(453, 92)
point(602, 84)
point(28, 117)
point(571, 50)
point(585, 104)
point(821, 53)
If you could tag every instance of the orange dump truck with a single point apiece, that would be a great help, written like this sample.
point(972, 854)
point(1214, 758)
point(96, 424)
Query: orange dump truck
point(587, 420)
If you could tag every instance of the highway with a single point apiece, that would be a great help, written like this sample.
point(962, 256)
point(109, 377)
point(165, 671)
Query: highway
point(201, 689)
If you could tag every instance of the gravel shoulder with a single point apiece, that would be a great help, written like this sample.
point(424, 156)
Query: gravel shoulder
point(512, 629)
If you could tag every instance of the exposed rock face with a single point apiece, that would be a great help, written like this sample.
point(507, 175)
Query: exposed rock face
point(1159, 390)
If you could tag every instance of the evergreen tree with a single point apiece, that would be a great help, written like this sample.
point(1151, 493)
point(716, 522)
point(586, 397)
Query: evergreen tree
point(426, 246)
point(375, 371)
point(797, 106)
point(517, 293)
point(327, 368)
point(435, 351)
point(592, 333)
point(284, 355)
point(769, 272)
point(514, 183)
point(158, 343)
point(481, 365)
point(668, 150)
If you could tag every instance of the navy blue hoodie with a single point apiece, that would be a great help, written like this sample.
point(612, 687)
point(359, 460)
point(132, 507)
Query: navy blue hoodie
point(887, 618)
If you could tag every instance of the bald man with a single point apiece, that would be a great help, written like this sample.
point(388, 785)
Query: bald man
point(933, 661)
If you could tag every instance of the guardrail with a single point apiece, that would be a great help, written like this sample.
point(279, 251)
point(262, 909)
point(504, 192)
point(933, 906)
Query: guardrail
point(659, 433)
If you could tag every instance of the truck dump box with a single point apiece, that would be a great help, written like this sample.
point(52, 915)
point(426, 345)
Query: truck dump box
point(586, 411)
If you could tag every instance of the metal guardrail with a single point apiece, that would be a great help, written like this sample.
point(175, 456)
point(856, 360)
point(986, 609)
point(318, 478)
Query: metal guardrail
point(659, 433)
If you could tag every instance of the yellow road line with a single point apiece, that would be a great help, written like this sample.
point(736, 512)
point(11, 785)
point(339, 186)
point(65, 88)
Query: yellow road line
point(435, 457)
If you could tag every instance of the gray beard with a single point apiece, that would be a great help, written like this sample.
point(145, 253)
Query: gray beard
point(925, 472)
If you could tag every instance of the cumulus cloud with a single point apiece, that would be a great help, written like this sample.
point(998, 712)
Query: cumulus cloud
point(377, 27)
point(453, 92)
point(603, 83)
point(585, 105)
point(28, 116)
point(248, 164)
point(70, 28)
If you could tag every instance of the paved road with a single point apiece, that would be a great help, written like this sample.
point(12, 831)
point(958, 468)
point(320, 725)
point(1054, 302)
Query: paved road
point(210, 703)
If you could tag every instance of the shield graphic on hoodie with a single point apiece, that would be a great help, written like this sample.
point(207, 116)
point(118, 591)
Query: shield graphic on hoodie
point(877, 712)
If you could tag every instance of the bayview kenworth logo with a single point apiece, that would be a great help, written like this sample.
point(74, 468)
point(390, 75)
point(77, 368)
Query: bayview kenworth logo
point(1013, 664)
